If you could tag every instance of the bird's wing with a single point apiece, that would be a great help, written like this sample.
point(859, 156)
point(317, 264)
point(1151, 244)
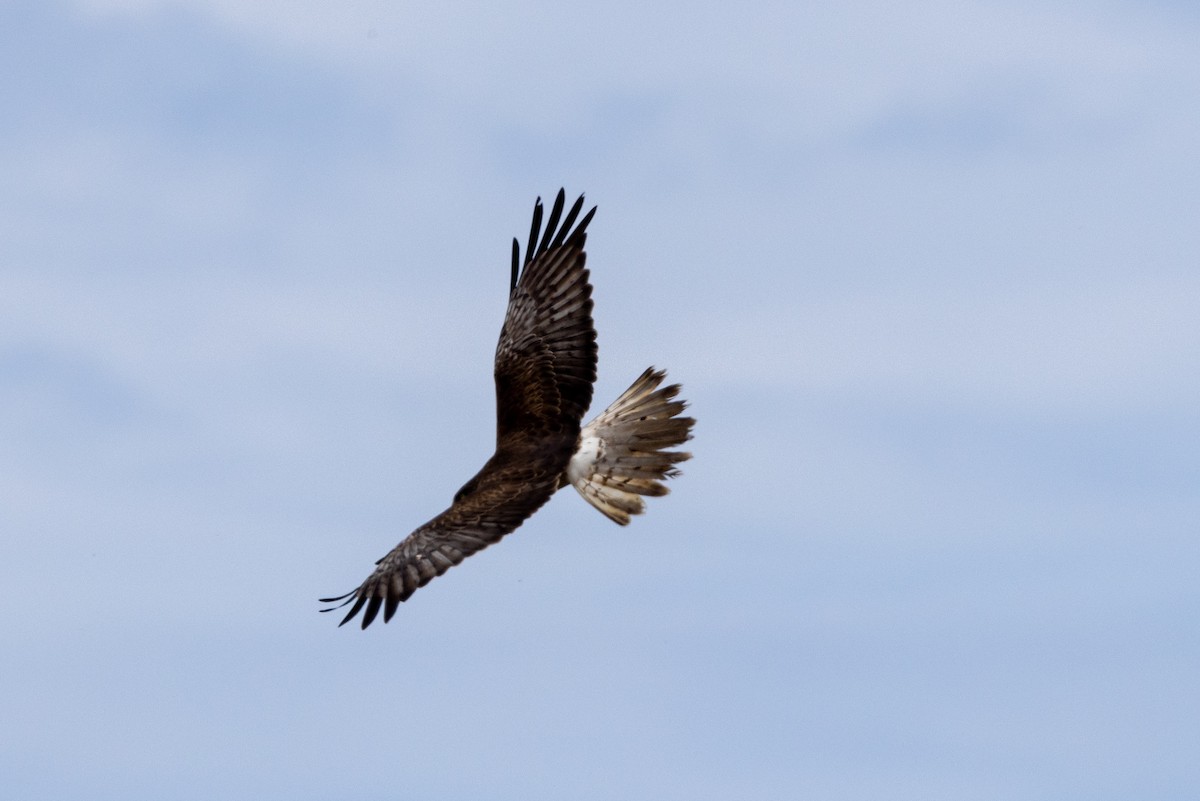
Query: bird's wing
point(545, 368)
point(503, 495)
point(546, 356)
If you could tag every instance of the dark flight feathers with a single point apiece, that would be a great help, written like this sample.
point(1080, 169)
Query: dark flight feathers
point(545, 368)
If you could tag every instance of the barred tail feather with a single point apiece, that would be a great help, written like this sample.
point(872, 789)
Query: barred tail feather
point(624, 453)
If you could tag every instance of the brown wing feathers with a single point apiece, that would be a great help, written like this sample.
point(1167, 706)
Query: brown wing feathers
point(545, 367)
point(548, 332)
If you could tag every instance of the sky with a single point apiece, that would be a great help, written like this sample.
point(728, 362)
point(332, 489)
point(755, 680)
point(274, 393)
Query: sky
point(927, 273)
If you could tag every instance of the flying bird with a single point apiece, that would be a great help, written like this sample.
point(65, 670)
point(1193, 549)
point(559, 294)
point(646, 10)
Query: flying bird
point(544, 371)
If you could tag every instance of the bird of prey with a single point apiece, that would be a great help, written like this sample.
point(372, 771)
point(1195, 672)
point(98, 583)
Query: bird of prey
point(545, 368)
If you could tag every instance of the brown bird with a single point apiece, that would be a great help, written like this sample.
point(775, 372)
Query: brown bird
point(545, 369)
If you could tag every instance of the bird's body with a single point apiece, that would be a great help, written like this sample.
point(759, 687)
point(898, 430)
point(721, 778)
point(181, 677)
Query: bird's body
point(545, 369)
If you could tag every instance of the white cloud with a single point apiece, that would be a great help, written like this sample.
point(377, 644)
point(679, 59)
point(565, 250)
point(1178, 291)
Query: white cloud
point(255, 260)
point(828, 65)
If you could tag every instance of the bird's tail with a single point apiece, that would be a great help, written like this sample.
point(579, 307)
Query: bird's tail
point(623, 454)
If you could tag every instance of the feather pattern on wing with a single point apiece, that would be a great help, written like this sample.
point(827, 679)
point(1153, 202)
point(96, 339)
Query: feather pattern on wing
point(545, 368)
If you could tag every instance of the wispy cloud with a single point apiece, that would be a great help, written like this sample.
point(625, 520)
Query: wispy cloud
point(927, 274)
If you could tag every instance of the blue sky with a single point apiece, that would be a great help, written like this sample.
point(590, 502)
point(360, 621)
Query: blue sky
point(928, 274)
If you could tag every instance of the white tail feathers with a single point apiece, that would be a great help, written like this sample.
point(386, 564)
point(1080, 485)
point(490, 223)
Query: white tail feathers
point(623, 453)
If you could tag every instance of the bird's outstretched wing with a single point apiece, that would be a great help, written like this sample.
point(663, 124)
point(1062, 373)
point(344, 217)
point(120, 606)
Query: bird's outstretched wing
point(504, 495)
point(546, 356)
point(545, 368)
